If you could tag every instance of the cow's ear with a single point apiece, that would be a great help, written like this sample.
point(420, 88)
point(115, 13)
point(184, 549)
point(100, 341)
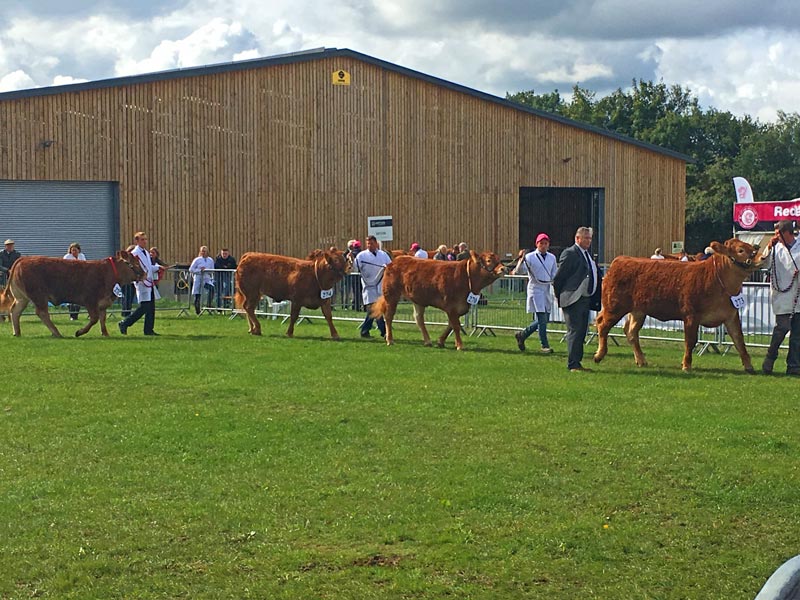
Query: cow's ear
point(720, 249)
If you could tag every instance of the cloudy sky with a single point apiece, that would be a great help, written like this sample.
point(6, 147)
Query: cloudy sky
point(739, 56)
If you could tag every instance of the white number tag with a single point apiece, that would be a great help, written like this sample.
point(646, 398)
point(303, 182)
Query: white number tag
point(117, 290)
point(738, 301)
point(473, 298)
point(325, 294)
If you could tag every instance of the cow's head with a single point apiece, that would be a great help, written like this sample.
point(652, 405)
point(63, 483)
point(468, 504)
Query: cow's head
point(127, 263)
point(488, 262)
point(338, 262)
point(741, 253)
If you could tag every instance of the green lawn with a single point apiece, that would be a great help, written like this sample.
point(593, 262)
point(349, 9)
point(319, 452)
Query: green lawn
point(210, 464)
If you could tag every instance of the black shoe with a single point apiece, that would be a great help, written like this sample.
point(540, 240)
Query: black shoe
point(365, 335)
point(520, 341)
point(123, 329)
point(152, 333)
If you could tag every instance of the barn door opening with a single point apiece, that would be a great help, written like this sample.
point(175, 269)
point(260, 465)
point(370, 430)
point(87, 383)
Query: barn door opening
point(559, 212)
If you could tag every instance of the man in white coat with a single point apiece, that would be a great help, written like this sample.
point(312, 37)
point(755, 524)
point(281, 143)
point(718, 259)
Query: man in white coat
point(202, 269)
point(782, 258)
point(145, 289)
point(540, 266)
point(371, 263)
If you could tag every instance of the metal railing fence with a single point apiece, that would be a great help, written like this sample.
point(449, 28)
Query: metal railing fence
point(502, 307)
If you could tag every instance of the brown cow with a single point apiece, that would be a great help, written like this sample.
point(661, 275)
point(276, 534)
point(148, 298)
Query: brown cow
point(90, 283)
point(443, 284)
point(286, 278)
point(697, 293)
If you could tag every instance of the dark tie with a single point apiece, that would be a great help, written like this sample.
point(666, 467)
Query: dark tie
point(591, 272)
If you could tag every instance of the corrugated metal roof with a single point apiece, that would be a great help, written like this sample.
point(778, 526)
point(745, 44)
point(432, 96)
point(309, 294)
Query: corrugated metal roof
point(316, 54)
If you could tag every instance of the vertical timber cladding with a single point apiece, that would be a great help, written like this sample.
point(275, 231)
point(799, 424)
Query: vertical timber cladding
point(45, 217)
point(268, 155)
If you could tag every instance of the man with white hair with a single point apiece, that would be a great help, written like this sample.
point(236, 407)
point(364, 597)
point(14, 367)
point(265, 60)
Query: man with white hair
point(574, 284)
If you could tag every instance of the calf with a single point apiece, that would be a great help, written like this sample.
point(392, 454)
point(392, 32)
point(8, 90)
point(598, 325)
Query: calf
point(306, 283)
point(443, 284)
point(90, 283)
point(697, 293)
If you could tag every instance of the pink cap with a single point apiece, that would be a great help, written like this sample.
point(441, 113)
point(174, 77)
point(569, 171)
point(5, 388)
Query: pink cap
point(415, 246)
point(542, 236)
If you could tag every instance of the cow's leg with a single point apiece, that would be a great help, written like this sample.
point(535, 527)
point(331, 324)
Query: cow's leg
point(390, 308)
point(454, 320)
point(250, 304)
point(690, 329)
point(103, 329)
point(734, 327)
point(294, 314)
point(93, 317)
point(326, 310)
point(604, 322)
point(632, 327)
point(44, 315)
point(16, 310)
point(419, 317)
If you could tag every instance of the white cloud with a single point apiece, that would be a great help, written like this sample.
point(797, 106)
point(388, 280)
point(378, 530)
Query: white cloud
point(66, 80)
point(16, 80)
point(198, 48)
point(755, 73)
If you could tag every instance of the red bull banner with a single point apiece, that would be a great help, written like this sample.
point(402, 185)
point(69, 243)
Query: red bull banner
point(762, 216)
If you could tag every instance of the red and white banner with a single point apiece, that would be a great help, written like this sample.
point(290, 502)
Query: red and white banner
point(762, 216)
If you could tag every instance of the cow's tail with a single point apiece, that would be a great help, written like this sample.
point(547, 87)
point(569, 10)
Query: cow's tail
point(378, 308)
point(6, 298)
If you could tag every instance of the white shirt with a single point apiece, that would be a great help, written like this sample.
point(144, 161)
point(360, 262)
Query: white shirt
point(69, 256)
point(783, 302)
point(657, 257)
point(201, 278)
point(144, 288)
point(541, 268)
point(371, 268)
point(420, 254)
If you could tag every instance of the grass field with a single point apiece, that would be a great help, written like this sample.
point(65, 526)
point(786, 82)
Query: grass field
point(210, 464)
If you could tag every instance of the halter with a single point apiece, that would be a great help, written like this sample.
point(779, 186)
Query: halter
point(340, 272)
point(114, 267)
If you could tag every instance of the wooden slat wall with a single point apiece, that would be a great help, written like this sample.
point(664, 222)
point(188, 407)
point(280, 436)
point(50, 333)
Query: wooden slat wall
point(278, 159)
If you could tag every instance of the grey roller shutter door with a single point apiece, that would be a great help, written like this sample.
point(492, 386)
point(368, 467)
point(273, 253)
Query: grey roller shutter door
point(45, 217)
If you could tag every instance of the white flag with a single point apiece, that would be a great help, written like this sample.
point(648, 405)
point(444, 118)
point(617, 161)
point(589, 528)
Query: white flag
point(743, 191)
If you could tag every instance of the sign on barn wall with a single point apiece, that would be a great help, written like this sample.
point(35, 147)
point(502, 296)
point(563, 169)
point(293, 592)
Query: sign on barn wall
point(340, 77)
point(381, 228)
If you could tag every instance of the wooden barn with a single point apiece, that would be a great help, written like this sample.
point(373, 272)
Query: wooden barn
point(293, 152)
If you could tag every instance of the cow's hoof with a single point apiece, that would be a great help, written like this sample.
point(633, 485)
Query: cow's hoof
point(440, 344)
point(78, 333)
point(641, 364)
point(597, 358)
point(750, 371)
point(390, 342)
point(255, 333)
point(336, 338)
point(427, 344)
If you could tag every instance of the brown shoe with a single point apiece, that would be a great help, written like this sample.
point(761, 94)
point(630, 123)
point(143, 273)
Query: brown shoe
point(580, 370)
point(546, 350)
point(520, 341)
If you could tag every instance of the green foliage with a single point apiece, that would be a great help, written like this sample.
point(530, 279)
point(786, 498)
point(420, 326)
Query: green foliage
point(229, 466)
point(722, 145)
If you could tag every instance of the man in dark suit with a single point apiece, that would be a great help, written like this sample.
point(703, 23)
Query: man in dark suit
point(575, 283)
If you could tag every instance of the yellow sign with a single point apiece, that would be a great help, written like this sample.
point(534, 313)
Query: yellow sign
point(340, 77)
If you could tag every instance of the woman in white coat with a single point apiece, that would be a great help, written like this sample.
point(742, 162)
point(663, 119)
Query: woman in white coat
point(202, 270)
point(74, 253)
point(540, 266)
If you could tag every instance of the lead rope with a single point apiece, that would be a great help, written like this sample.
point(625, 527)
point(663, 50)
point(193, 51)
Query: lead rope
point(469, 279)
point(774, 277)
